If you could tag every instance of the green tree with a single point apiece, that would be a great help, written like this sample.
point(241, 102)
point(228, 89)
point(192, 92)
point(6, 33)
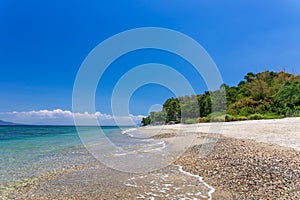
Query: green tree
point(172, 109)
point(250, 77)
point(146, 121)
point(289, 95)
point(265, 94)
point(204, 102)
point(189, 107)
point(158, 117)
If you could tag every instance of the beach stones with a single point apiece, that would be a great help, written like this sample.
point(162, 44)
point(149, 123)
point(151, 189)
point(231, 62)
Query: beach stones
point(246, 169)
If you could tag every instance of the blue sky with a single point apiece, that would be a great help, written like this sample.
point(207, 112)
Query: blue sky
point(43, 43)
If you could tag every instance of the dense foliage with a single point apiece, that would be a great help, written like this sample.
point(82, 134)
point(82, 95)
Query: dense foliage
point(263, 95)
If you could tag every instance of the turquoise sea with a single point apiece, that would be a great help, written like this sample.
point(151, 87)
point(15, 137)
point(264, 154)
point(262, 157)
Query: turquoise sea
point(26, 151)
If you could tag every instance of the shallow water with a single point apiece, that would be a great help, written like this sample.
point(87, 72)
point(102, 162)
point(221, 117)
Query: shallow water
point(28, 151)
point(170, 183)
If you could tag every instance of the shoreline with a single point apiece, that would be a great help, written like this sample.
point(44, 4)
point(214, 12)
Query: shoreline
point(212, 190)
point(261, 144)
point(237, 165)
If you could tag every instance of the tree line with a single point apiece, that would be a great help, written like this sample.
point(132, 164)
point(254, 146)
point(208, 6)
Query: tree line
point(265, 95)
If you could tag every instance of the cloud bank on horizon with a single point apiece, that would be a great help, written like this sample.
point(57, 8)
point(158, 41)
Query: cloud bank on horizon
point(66, 117)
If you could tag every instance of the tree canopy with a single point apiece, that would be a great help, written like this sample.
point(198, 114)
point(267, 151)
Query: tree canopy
point(262, 95)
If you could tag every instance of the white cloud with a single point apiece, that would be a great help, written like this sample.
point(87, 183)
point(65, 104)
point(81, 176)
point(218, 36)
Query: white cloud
point(65, 117)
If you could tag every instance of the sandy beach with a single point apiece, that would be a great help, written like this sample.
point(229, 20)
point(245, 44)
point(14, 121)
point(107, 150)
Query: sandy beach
point(284, 132)
point(242, 160)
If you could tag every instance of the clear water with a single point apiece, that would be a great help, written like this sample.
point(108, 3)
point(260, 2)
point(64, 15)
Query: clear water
point(26, 151)
point(29, 150)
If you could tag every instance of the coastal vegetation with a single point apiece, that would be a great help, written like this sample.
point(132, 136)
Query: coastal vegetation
point(264, 95)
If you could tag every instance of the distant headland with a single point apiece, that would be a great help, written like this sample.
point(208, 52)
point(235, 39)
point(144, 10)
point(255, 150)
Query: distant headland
point(5, 123)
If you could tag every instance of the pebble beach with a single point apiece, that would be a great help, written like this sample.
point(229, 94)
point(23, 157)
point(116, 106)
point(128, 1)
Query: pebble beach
point(245, 169)
point(245, 160)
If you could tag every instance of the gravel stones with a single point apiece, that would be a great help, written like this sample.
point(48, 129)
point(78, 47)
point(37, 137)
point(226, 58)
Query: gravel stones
point(244, 169)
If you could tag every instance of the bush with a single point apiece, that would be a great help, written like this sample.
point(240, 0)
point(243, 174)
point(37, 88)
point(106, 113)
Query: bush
point(246, 111)
point(220, 118)
point(256, 116)
point(272, 116)
point(242, 118)
point(204, 119)
point(229, 118)
point(216, 114)
point(191, 121)
point(216, 117)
